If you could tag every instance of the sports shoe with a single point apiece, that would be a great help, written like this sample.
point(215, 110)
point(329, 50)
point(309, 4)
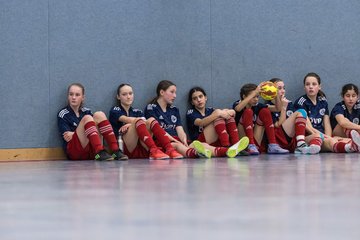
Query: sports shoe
point(274, 148)
point(201, 150)
point(103, 156)
point(235, 149)
point(252, 150)
point(156, 153)
point(173, 154)
point(355, 137)
point(305, 149)
point(119, 155)
point(243, 153)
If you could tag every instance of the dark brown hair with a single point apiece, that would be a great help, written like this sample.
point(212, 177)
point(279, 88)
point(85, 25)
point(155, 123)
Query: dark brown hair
point(312, 74)
point(162, 85)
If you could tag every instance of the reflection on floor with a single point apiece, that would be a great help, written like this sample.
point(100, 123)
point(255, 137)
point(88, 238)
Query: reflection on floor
point(264, 197)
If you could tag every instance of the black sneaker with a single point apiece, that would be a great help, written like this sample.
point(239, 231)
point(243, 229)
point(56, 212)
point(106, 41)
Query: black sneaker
point(119, 155)
point(103, 156)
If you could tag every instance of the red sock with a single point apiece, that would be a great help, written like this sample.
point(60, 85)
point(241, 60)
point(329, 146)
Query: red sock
point(347, 132)
point(220, 129)
point(106, 130)
point(266, 119)
point(300, 124)
point(143, 134)
point(339, 147)
point(191, 153)
point(160, 135)
point(316, 141)
point(232, 130)
point(220, 152)
point(93, 136)
point(247, 122)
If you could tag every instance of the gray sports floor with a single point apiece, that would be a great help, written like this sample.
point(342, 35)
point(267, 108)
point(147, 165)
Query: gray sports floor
point(264, 197)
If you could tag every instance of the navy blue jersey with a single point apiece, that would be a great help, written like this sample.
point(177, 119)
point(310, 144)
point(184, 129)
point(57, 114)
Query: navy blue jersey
point(118, 111)
point(256, 109)
point(168, 120)
point(193, 114)
point(340, 108)
point(276, 115)
point(68, 121)
point(316, 112)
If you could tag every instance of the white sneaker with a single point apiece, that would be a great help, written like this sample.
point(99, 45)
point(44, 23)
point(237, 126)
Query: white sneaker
point(305, 149)
point(355, 137)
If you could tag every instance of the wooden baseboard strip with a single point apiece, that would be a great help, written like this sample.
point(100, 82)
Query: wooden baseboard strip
point(31, 154)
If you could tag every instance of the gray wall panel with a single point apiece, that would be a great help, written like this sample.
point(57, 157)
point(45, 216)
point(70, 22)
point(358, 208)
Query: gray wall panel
point(219, 45)
point(24, 74)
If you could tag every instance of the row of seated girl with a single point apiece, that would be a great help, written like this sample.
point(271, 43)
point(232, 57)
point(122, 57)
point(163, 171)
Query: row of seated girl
point(251, 127)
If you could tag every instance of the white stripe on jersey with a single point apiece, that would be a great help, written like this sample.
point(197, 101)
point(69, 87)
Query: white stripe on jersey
point(357, 106)
point(63, 112)
point(301, 101)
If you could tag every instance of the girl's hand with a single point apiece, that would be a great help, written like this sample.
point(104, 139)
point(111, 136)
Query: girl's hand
point(230, 112)
point(259, 87)
point(225, 114)
point(184, 140)
point(124, 128)
point(68, 136)
point(284, 102)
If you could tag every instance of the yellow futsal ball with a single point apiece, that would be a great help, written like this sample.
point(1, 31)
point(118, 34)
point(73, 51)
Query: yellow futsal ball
point(268, 91)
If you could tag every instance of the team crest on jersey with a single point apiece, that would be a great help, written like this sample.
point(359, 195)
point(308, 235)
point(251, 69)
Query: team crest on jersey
point(322, 111)
point(356, 120)
point(289, 112)
point(173, 118)
point(201, 129)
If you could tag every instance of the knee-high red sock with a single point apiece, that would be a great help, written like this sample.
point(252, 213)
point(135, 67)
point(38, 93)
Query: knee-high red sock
point(247, 122)
point(266, 119)
point(232, 130)
point(300, 124)
point(191, 153)
point(143, 134)
point(220, 129)
point(220, 152)
point(106, 130)
point(160, 135)
point(93, 136)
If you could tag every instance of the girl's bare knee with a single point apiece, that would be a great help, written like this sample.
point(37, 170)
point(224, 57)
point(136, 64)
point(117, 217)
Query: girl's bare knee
point(99, 116)
point(86, 119)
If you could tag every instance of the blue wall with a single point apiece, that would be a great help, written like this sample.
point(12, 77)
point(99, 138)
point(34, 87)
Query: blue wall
point(220, 45)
